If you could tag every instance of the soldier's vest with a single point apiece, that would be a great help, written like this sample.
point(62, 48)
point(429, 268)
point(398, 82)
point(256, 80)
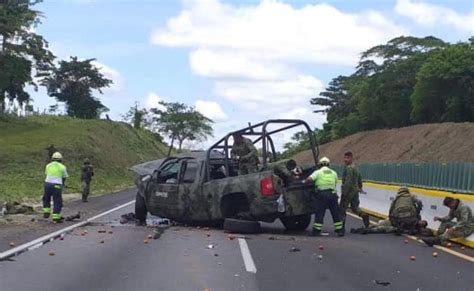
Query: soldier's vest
point(404, 214)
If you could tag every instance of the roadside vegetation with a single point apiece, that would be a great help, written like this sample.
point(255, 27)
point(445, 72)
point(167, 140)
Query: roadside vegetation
point(405, 82)
point(112, 147)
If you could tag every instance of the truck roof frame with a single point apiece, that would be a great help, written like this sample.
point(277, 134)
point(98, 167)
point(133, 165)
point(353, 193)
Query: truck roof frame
point(260, 130)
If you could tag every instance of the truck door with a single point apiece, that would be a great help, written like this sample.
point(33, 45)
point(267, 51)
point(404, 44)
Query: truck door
point(163, 199)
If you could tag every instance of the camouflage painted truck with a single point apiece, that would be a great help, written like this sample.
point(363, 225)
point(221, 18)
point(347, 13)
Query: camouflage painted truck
point(203, 187)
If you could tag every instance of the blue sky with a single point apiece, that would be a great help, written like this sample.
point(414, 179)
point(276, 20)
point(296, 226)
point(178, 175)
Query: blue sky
point(236, 61)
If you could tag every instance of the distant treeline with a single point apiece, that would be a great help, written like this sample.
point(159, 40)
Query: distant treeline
point(407, 81)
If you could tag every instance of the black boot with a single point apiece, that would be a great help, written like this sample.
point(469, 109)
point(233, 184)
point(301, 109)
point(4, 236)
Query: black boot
point(366, 220)
point(315, 232)
point(430, 241)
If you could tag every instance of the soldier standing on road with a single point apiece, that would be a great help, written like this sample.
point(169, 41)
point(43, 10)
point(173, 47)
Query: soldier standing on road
point(462, 228)
point(87, 172)
point(56, 175)
point(404, 217)
point(325, 181)
point(351, 186)
point(51, 149)
point(245, 153)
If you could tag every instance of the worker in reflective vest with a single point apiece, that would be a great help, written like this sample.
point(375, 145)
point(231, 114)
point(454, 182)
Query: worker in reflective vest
point(56, 175)
point(325, 181)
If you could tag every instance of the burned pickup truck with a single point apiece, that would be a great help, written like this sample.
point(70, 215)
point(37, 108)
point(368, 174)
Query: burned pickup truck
point(204, 187)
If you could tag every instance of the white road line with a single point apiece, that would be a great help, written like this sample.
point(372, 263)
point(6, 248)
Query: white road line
point(39, 241)
point(248, 261)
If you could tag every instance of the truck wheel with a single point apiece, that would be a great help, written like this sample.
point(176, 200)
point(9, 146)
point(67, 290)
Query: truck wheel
point(241, 226)
point(140, 209)
point(298, 222)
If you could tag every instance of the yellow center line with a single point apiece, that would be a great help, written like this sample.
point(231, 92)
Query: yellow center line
point(447, 250)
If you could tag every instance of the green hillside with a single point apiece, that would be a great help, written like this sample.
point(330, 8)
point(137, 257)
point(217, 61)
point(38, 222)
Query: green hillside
point(111, 146)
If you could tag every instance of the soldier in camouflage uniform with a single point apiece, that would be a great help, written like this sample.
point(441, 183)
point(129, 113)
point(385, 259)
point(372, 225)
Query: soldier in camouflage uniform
point(462, 228)
point(51, 149)
point(351, 186)
point(245, 153)
point(87, 172)
point(404, 217)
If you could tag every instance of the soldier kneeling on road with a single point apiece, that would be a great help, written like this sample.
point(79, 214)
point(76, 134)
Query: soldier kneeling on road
point(462, 228)
point(404, 217)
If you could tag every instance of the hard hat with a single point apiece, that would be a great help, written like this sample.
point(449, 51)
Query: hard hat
point(403, 189)
point(57, 156)
point(324, 161)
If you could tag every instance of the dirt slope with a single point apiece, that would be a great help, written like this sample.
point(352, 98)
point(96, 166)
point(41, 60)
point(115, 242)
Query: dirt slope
point(426, 142)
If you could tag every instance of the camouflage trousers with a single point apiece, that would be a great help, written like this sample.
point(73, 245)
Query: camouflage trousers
point(247, 167)
point(383, 226)
point(460, 232)
point(86, 186)
point(352, 199)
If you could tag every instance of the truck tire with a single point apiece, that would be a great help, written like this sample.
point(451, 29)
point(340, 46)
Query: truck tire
point(241, 226)
point(298, 222)
point(140, 209)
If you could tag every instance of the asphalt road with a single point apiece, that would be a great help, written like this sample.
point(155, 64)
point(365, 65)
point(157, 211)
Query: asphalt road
point(182, 260)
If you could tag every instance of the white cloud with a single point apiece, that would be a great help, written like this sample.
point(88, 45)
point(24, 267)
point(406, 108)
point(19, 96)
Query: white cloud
point(112, 74)
point(151, 101)
point(433, 15)
point(272, 30)
point(211, 110)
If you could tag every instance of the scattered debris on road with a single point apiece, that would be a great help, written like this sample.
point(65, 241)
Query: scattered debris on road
point(210, 247)
point(294, 249)
point(12, 244)
point(413, 258)
point(320, 257)
point(51, 253)
point(321, 247)
point(281, 238)
point(73, 217)
point(231, 237)
point(145, 241)
point(382, 283)
point(126, 218)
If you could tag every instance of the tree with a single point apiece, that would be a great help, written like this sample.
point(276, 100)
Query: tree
point(22, 51)
point(73, 83)
point(444, 90)
point(137, 117)
point(181, 122)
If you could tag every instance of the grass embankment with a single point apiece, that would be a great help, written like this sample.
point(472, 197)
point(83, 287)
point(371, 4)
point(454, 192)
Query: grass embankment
point(112, 148)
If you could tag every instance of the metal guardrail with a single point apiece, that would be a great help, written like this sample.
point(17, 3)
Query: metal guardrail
point(453, 177)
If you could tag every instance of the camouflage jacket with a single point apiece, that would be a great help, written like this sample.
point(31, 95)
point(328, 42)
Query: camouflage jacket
point(463, 215)
point(351, 179)
point(245, 150)
point(405, 200)
point(87, 172)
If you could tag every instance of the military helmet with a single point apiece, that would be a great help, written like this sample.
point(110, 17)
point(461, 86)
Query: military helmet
point(57, 156)
point(324, 161)
point(87, 161)
point(403, 189)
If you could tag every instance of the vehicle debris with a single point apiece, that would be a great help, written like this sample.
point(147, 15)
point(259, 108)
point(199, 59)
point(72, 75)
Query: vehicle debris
point(73, 217)
point(126, 218)
point(321, 247)
point(281, 238)
point(12, 244)
point(294, 249)
point(231, 237)
point(435, 254)
point(413, 258)
point(210, 247)
point(51, 253)
point(150, 236)
point(320, 257)
point(145, 241)
point(383, 283)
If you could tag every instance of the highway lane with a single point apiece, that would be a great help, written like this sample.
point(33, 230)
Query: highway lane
point(181, 260)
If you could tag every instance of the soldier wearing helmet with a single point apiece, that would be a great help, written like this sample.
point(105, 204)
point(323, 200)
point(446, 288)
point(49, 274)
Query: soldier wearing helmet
point(87, 172)
point(56, 174)
point(325, 181)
